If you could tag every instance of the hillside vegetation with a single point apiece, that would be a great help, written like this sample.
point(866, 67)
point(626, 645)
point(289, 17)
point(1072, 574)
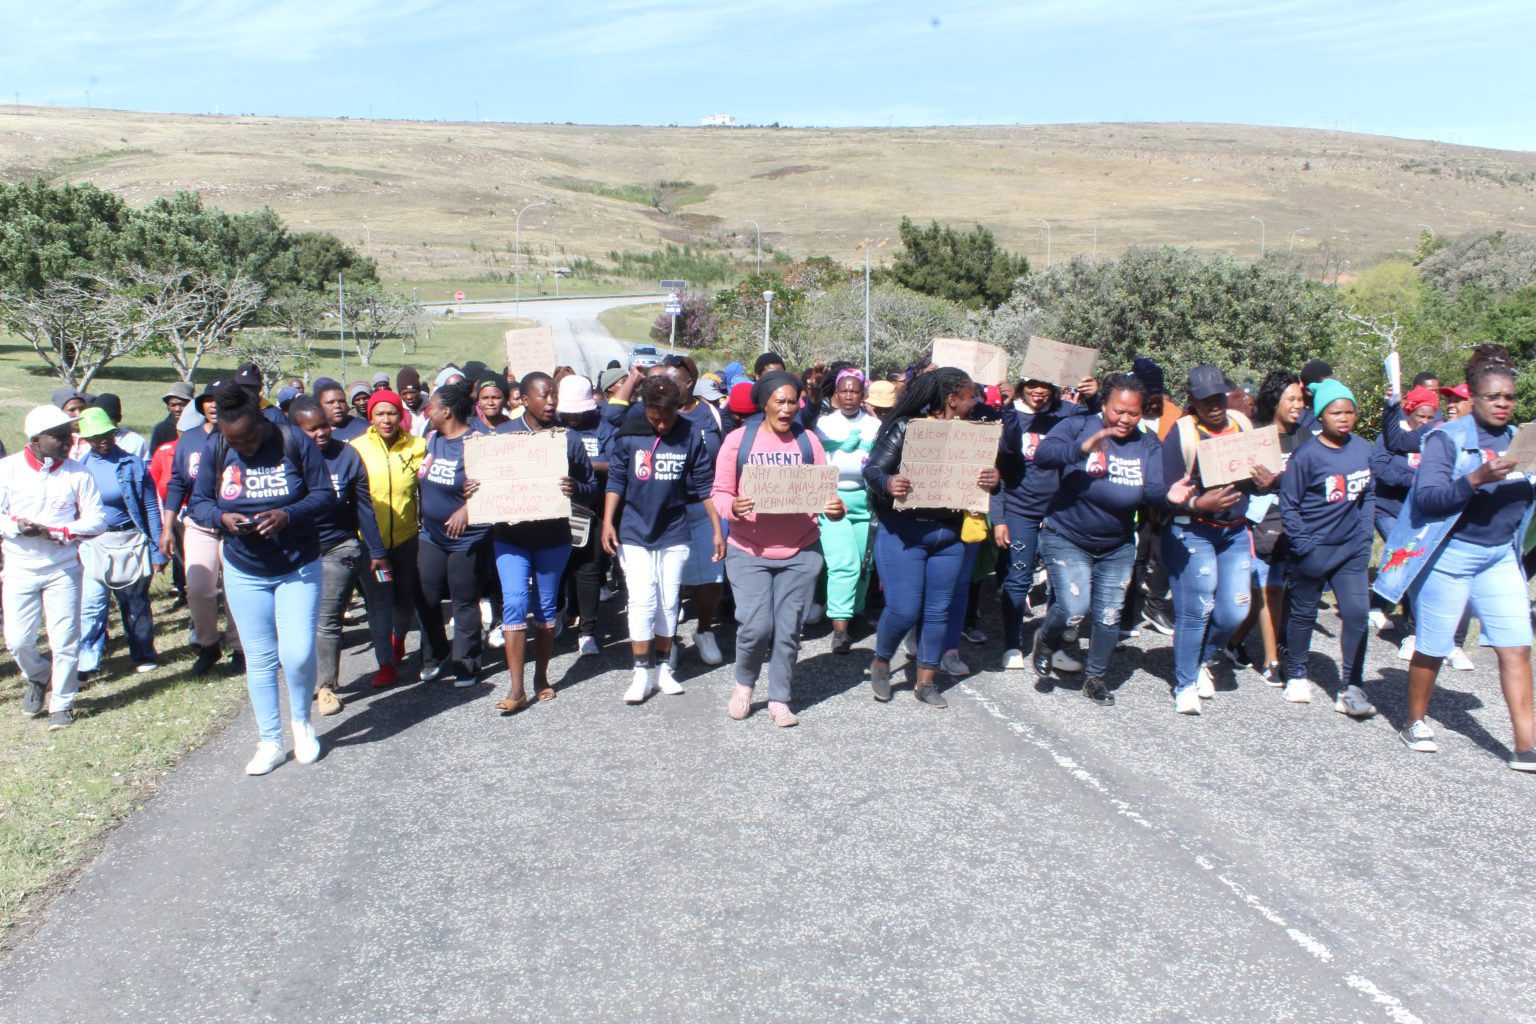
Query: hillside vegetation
point(439, 200)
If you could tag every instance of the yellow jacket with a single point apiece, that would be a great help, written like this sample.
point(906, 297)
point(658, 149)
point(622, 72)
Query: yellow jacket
point(392, 484)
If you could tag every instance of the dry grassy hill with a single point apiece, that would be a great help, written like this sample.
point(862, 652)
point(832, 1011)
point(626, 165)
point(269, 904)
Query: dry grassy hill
point(439, 199)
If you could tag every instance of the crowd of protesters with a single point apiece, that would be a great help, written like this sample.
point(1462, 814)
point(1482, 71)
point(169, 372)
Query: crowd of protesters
point(282, 514)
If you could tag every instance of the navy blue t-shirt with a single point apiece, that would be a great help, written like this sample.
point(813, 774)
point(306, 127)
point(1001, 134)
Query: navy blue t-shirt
point(1096, 501)
point(190, 449)
point(1492, 512)
point(442, 492)
point(658, 478)
point(266, 480)
point(353, 513)
point(1327, 502)
point(355, 426)
point(1027, 489)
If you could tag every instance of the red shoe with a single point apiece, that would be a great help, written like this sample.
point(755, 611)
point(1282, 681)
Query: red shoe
point(384, 677)
point(399, 649)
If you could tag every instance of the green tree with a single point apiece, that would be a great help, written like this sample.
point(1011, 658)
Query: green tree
point(829, 325)
point(49, 232)
point(968, 268)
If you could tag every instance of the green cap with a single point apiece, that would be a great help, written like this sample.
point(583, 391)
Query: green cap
point(94, 422)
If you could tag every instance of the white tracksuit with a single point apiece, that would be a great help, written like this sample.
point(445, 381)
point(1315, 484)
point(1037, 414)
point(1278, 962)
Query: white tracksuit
point(41, 579)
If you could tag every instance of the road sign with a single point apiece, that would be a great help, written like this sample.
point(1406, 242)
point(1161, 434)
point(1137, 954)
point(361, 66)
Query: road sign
point(458, 296)
point(674, 286)
point(674, 309)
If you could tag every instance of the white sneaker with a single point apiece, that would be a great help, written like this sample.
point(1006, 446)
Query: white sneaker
point(267, 757)
point(640, 688)
point(1379, 620)
point(1298, 691)
point(1205, 683)
point(909, 643)
point(144, 667)
point(709, 650)
point(1419, 737)
point(1187, 701)
point(306, 745)
point(1353, 702)
point(464, 680)
point(1459, 661)
point(496, 638)
point(586, 645)
point(952, 664)
point(666, 682)
point(1405, 652)
point(1013, 658)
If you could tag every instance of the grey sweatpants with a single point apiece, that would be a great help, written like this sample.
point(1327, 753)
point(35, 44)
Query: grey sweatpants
point(772, 596)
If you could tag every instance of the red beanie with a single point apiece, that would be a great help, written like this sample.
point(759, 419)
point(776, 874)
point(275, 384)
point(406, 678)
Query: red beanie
point(385, 397)
point(740, 401)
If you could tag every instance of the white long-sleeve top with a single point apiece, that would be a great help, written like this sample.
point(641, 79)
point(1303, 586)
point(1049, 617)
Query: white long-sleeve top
point(835, 431)
point(63, 498)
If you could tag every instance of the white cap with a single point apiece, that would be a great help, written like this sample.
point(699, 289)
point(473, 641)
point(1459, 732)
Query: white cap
point(45, 418)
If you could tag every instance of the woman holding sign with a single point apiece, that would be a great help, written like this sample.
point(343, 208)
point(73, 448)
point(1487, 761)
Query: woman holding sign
point(1207, 547)
point(1327, 503)
point(1457, 541)
point(1109, 468)
point(453, 557)
point(773, 561)
point(658, 465)
point(538, 551)
point(920, 551)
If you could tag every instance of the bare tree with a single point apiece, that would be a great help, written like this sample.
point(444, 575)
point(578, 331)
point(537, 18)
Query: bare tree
point(269, 350)
point(80, 324)
point(301, 314)
point(215, 309)
point(1383, 328)
point(373, 315)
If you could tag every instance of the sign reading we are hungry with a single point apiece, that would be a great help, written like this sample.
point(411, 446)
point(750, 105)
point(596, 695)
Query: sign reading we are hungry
point(942, 459)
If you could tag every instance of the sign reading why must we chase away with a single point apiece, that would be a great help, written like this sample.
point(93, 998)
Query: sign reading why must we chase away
point(776, 490)
point(1226, 458)
point(519, 476)
point(942, 459)
point(987, 364)
point(1056, 362)
point(530, 349)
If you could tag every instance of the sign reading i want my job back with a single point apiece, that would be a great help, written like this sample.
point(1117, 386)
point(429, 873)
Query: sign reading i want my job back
point(519, 476)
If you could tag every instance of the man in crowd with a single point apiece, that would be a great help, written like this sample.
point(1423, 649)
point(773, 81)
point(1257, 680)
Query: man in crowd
point(176, 398)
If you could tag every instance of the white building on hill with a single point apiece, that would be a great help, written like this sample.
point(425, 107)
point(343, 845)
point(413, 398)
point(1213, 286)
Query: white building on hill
point(719, 120)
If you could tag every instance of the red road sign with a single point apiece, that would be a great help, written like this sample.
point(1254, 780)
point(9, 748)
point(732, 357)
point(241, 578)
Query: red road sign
point(458, 296)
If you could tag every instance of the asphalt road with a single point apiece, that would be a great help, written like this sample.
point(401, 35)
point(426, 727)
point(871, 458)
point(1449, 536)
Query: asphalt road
point(581, 341)
point(1024, 855)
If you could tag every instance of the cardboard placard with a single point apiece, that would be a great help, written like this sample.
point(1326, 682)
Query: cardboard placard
point(519, 476)
point(942, 457)
point(987, 364)
point(1056, 362)
point(1226, 458)
point(779, 490)
point(1523, 448)
point(529, 349)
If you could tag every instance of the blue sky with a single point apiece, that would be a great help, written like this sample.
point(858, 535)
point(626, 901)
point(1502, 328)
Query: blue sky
point(1458, 72)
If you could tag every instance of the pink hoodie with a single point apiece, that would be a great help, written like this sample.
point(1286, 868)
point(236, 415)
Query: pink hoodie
point(777, 536)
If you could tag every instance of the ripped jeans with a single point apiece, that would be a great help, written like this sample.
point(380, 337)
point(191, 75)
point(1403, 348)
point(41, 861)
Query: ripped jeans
point(1209, 572)
point(1084, 582)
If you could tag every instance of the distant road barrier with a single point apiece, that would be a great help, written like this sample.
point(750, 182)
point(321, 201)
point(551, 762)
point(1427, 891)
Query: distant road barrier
point(549, 298)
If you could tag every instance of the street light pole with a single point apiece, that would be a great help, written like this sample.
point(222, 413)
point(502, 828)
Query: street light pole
point(767, 319)
point(1292, 247)
point(759, 227)
point(868, 244)
point(1261, 234)
point(341, 319)
point(517, 258)
point(1047, 224)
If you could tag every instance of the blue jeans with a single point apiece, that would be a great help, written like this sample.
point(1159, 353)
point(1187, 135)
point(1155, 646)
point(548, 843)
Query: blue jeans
point(920, 562)
point(1083, 583)
point(1210, 576)
point(1349, 578)
point(1023, 542)
point(138, 626)
point(276, 617)
point(955, 624)
point(1490, 580)
point(515, 564)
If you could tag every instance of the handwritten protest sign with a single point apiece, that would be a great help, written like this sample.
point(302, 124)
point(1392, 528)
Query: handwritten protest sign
point(987, 364)
point(529, 349)
point(942, 458)
point(1523, 448)
point(776, 490)
point(1056, 362)
point(519, 476)
point(1228, 457)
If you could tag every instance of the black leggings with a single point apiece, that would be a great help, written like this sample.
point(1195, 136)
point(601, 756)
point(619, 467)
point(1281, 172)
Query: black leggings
point(1351, 585)
point(457, 576)
point(583, 580)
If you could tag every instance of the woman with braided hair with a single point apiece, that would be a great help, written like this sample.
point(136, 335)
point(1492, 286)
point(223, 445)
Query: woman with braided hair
point(922, 548)
point(1458, 541)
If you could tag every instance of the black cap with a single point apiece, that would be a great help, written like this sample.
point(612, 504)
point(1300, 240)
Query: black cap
point(1205, 381)
point(207, 394)
point(248, 376)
